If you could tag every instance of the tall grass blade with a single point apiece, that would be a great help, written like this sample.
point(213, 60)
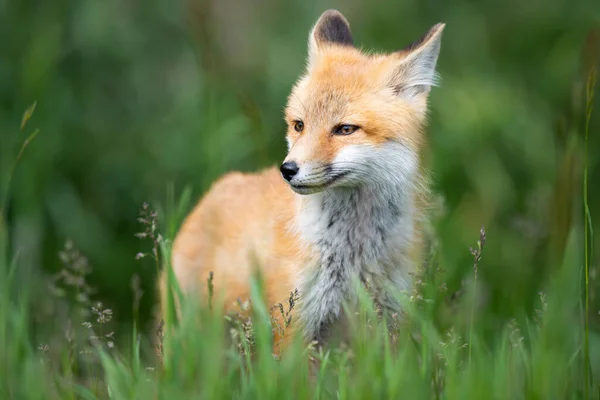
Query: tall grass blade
point(588, 230)
point(14, 165)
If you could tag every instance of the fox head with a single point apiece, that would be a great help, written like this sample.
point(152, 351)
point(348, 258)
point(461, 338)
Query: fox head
point(357, 118)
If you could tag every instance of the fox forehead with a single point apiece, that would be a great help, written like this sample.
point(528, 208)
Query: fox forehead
point(335, 85)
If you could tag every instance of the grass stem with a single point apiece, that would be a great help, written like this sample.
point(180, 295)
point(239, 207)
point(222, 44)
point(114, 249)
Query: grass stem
point(591, 83)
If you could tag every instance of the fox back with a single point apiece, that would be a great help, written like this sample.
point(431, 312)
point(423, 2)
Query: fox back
point(347, 204)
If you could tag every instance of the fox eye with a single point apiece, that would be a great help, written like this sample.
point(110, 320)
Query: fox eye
point(345, 129)
point(298, 126)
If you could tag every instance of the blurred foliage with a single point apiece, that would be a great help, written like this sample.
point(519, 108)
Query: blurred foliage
point(133, 97)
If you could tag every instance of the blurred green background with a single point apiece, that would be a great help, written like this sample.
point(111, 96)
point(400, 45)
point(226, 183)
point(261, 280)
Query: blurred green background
point(135, 96)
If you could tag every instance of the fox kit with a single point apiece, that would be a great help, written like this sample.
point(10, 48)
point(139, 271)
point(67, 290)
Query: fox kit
point(347, 204)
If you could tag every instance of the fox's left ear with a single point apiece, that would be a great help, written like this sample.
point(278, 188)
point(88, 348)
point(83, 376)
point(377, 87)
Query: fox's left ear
point(413, 68)
point(331, 29)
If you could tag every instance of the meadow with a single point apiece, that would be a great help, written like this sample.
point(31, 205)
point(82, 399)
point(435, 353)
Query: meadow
point(116, 116)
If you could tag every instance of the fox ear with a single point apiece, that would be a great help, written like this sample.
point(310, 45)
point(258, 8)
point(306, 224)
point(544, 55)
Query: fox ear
point(414, 70)
point(331, 29)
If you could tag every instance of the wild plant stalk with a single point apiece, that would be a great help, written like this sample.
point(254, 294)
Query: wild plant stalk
point(209, 282)
point(149, 219)
point(26, 116)
point(588, 231)
point(476, 252)
point(136, 289)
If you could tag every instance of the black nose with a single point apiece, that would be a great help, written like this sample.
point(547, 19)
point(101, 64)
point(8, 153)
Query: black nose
point(288, 170)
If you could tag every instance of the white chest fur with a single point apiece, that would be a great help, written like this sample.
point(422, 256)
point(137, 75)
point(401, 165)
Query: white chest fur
point(359, 234)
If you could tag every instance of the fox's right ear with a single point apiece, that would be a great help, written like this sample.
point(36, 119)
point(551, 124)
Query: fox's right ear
point(414, 67)
point(331, 29)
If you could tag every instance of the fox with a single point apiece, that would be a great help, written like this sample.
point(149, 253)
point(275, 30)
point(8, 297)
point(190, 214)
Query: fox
point(349, 201)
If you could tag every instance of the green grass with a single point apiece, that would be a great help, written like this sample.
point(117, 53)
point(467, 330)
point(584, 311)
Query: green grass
point(529, 360)
point(588, 232)
point(204, 356)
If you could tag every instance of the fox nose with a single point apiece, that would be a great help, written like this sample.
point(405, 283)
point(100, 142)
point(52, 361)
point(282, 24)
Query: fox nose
point(288, 170)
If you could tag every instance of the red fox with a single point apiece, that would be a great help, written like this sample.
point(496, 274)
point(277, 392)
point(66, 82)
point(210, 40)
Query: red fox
point(348, 202)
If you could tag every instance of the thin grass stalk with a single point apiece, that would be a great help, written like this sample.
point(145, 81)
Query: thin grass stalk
point(476, 253)
point(26, 116)
point(591, 83)
point(472, 315)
